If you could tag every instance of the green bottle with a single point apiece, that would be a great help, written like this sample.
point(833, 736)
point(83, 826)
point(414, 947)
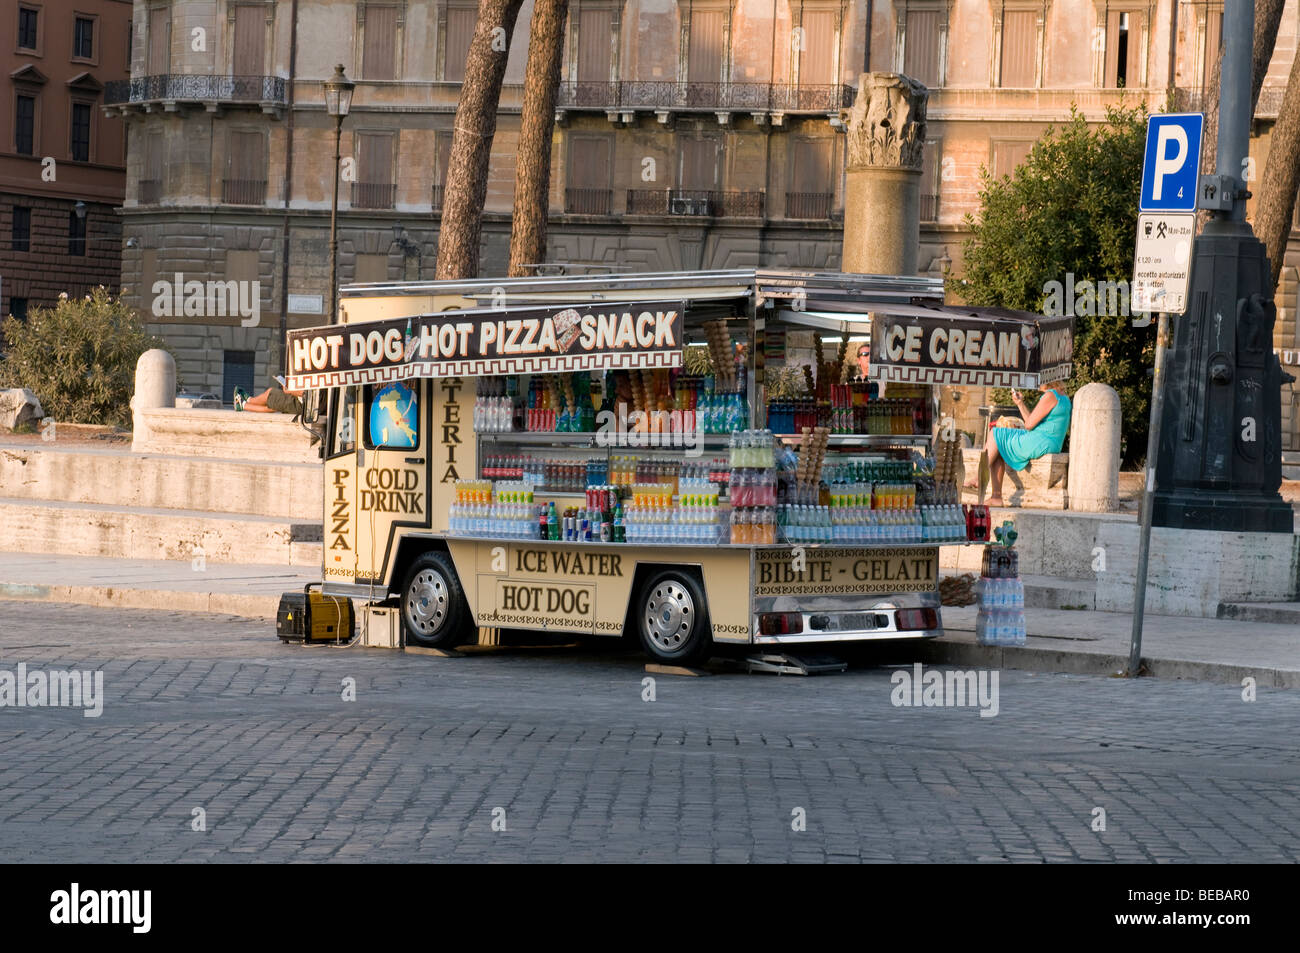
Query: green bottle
point(552, 522)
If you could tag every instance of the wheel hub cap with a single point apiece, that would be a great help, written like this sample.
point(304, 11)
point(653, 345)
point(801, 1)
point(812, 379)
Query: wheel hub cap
point(427, 601)
point(669, 616)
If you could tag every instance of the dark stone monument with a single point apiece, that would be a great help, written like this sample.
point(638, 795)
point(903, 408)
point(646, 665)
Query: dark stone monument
point(1220, 463)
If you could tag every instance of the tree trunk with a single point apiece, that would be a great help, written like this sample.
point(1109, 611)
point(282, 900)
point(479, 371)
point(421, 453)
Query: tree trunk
point(1277, 192)
point(536, 130)
point(471, 144)
point(1268, 16)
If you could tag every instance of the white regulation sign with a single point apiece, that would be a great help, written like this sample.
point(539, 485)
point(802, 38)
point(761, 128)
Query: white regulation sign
point(1162, 262)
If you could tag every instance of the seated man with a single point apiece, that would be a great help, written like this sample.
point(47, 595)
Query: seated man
point(1044, 433)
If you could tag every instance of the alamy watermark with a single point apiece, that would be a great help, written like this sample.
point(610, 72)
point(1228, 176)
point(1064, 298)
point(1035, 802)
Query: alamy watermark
point(56, 688)
point(208, 299)
point(951, 689)
point(1088, 299)
point(650, 429)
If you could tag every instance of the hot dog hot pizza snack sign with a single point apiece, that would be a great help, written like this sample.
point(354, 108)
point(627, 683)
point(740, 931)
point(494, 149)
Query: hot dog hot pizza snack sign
point(951, 346)
point(644, 334)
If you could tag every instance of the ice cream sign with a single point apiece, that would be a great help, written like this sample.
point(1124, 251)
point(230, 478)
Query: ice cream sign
point(640, 334)
point(993, 349)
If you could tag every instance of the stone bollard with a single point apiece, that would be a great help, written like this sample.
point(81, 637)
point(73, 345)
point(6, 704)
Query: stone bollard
point(155, 386)
point(1092, 485)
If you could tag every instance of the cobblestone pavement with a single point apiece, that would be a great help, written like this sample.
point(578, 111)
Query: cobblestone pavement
point(214, 713)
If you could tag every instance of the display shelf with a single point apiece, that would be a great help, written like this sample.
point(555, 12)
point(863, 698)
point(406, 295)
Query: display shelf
point(659, 443)
point(870, 440)
point(679, 546)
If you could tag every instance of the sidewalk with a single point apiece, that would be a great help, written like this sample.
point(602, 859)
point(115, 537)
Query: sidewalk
point(1074, 642)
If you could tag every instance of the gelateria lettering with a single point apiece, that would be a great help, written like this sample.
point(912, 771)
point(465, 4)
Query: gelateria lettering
point(450, 427)
point(392, 491)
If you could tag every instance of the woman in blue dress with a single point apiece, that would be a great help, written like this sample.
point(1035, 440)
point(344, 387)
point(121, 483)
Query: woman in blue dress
point(1044, 433)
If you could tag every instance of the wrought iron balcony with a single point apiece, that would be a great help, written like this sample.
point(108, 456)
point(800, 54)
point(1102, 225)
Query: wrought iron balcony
point(195, 87)
point(373, 194)
point(812, 206)
point(695, 202)
point(243, 191)
point(711, 97)
point(588, 201)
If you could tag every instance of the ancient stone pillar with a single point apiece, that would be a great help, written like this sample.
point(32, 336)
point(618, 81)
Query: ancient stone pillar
point(1092, 485)
point(155, 386)
point(885, 138)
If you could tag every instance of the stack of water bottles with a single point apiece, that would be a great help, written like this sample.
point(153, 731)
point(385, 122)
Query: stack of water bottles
point(506, 511)
point(751, 487)
point(1001, 616)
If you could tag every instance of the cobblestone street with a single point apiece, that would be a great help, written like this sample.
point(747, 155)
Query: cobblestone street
point(213, 713)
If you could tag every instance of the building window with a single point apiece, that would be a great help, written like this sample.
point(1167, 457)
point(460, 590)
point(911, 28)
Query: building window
point(811, 186)
point(706, 48)
point(76, 233)
point(27, 20)
point(923, 33)
point(1213, 45)
point(245, 183)
point(594, 57)
point(698, 163)
point(130, 42)
point(24, 124)
point(374, 187)
point(1019, 59)
point(379, 42)
point(589, 191)
point(80, 146)
point(457, 36)
point(83, 39)
point(249, 57)
point(160, 38)
point(21, 231)
point(18, 308)
point(818, 49)
point(931, 165)
point(1008, 155)
point(1125, 48)
point(236, 371)
point(442, 159)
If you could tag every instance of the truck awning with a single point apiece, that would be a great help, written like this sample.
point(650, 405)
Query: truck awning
point(488, 342)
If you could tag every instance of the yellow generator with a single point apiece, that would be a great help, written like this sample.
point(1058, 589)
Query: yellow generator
point(309, 616)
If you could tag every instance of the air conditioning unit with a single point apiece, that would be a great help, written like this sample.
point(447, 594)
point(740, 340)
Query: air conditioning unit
point(681, 205)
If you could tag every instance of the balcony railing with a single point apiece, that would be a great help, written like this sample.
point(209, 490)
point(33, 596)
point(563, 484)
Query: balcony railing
point(588, 201)
point(695, 202)
point(929, 208)
point(751, 97)
point(435, 200)
point(149, 191)
point(808, 205)
point(243, 191)
point(373, 194)
point(195, 87)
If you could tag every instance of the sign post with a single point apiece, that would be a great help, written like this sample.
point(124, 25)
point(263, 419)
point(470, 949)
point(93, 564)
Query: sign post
point(1161, 269)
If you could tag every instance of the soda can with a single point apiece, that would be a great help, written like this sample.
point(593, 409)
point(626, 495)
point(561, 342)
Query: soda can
point(584, 527)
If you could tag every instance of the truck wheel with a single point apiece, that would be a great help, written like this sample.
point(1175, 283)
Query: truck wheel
point(434, 611)
point(672, 620)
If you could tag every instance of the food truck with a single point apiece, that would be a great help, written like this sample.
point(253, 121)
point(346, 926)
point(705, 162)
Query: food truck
point(693, 459)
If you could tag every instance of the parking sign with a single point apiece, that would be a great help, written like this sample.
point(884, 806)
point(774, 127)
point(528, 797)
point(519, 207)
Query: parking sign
point(1172, 164)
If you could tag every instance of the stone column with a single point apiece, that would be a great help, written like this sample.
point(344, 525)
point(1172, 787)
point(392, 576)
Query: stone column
point(155, 386)
point(1092, 485)
point(885, 138)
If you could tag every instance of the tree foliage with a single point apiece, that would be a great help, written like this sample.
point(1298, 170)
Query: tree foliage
point(1070, 209)
point(78, 357)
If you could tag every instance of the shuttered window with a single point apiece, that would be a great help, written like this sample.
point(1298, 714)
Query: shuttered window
point(250, 41)
point(441, 160)
point(699, 164)
point(160, 31)
point(817, 57)
point(590, 174)
point(593, 45)
point(706, 48)
point(374, 185)
point(1007, 155)
point(921, 47)
point(460, 32)
point(246, 169)
point(1125, 44)
point(931, 163)
point(379, 58)
point(1213, 44)
point(810, 179)
point(1019, 49)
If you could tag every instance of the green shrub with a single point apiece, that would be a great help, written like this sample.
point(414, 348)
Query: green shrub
point(78, 357)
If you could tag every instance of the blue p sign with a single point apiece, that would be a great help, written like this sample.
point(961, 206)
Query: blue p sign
point(1172, 163)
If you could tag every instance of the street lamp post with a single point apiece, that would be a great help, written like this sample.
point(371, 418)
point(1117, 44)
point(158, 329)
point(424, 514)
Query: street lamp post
point(338, 101)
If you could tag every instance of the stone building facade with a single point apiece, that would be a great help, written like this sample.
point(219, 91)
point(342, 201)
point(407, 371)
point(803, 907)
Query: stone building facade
point(62, 161)
point(690, 133)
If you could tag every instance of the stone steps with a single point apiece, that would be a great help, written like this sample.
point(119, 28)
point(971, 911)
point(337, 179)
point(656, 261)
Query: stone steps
point(118, 477)
point(133, 532)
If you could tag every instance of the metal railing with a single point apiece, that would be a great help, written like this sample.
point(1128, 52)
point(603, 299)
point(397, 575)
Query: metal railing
point(373, 194)
point(929, 208)
point(695, 202)
point(243, 191)
point(808, 205)
point(149, 191)
point(660, 95)
point(588, 201)
point(197, 87)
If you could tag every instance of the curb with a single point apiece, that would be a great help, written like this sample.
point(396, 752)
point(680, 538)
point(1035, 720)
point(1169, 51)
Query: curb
point(1055, 662)
point(222, 603)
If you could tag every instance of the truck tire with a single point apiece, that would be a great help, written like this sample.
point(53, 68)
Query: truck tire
point(672, 619)
point(434, 611)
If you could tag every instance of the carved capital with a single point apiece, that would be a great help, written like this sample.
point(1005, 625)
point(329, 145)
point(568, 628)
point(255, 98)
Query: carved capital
point(886, 126)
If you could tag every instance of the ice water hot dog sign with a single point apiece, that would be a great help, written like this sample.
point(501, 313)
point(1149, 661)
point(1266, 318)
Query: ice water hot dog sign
point(641, 334)
point(972, 351)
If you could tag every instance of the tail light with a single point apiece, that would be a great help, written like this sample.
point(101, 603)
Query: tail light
point(917, 619)
point(780, 623)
